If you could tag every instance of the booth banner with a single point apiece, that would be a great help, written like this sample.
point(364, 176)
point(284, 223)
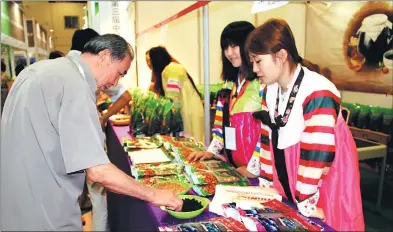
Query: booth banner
point(115, 17)
point(353, 43)
point(261, 6)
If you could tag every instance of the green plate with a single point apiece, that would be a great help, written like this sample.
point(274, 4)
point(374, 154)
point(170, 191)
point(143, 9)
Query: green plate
point(187, 215)
point(185, 185)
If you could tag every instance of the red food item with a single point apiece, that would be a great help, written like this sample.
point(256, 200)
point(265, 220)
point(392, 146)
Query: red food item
point(279, 206)
point(210, 188)
point(385, 70)
point(177, 144)
point(306, 223)
point(199, 165)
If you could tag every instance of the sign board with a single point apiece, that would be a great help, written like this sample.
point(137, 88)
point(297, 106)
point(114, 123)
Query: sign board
point(260, 6)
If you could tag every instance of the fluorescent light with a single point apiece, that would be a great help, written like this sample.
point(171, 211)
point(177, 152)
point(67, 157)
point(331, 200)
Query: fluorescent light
point(260, 6)
point(51, 30)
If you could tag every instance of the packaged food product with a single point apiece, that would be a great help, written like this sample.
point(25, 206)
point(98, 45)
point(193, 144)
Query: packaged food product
point(207, 165)
point(210, 189)
point(212, 225)
point(176, 186)
point(252, 224)
point(276, 217)
point(223, 172)
point(150, 181)
point(278, 206)
point(229, 223)
point(203, 177)
point(252, 194)
point(138, 143)
point(204, 190)
point(305, 222)
point(155, 169)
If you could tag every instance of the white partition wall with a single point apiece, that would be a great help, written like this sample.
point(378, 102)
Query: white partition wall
point(220, 15)
point(116, 17)
point(295, 14)
point(181, 37)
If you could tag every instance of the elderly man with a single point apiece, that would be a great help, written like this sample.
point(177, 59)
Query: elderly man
point(51, 137)
point(118, 94)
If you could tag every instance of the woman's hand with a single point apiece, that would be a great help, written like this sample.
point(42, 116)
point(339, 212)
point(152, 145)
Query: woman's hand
point(318, 213)
point(244, 172)
point(200, 155)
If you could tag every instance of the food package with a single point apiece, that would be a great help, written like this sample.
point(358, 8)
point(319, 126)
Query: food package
point(152, 115)
point(177, 124)
point(269, 216)
point(214, 224)
point(252, 195)
point(138, 143)
point(204, 190)
point(279, 222)
point(155, 169)
point(238, 209)
point(177, 187)
point(152, 118)
point(203, 177)
point(210, 165)
point(167, 116)
point(150, 181)
point(182, 154)
point(210, 189)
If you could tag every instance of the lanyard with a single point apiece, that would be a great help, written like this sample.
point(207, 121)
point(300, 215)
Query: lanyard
point(281, 120)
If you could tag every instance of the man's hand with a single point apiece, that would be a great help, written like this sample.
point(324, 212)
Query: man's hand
point(103, 120)
point(167, 198)
point(200, 155)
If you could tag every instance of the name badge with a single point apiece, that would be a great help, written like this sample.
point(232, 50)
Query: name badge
point(230, 138)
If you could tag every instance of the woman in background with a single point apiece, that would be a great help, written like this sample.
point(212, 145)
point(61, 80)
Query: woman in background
point(153, 78)
point(312, 158)
point(173, 81)
point(238, 99)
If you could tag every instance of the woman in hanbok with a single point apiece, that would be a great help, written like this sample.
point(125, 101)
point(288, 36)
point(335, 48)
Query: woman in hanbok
point(238, 99)
point(307, 152)
point(173, 81)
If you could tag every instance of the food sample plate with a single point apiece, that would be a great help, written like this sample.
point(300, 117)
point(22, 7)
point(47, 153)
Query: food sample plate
point(120, 119)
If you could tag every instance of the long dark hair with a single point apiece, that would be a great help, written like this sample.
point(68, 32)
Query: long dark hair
point(271, 37)
point(234, 34)
point(159, 59)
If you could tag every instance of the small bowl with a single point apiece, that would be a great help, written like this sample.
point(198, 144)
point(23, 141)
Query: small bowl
point(186, 186)
point(388, 62)
point(187, 215)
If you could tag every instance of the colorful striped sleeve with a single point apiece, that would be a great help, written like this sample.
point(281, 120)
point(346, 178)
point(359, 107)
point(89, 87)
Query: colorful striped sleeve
point(173, 86)
point(217, 143)
point(317, 144)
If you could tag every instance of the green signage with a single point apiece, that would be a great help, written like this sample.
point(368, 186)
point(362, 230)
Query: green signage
point(5, 20)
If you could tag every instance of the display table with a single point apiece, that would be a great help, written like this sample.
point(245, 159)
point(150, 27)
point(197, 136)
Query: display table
point(370, 150)
point(130, 214)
